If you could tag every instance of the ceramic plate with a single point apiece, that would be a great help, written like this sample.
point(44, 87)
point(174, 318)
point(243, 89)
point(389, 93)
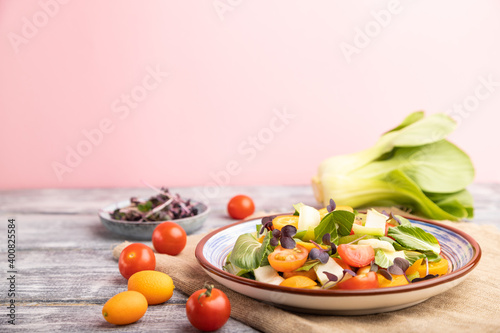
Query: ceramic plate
point(144, 230)
point(461, 250)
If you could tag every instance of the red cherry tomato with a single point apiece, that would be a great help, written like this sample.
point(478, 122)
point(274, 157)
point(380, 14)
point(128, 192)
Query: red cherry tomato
point(387, 226)
point(240, 207)
point(361, 281)
point(356, 255)
point(287, 260)
point(208, 309)
point(169, 238)
point(135, 258)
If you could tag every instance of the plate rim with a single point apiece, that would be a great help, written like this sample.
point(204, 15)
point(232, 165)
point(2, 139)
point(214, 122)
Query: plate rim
point(442, 280)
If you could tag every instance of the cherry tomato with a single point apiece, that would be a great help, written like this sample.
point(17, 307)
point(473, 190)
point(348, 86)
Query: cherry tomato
point(387, 226)
point(282, 220)
point(169, 238)
point(287, 260)
point(356, 255)
point(397, 280)
point(240, 207)
point(342, 264)
point(440, 268)
point(208, 309)
point(135, 258)
point(361, 281)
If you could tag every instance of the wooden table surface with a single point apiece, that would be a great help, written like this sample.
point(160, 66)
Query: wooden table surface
point(65, 271)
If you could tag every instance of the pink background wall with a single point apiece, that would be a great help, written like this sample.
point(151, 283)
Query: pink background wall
point(70, 70)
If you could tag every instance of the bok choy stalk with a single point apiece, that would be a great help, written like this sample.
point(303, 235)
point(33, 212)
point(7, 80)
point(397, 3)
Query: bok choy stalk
point(412, 165)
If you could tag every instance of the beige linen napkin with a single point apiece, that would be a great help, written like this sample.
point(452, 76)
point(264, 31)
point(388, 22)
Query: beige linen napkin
point(472, 306)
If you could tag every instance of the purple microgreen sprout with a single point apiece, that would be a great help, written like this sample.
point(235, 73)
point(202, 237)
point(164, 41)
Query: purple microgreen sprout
point(375, 268)
point(319, 252)
point(276, 237)
point(267, 223)
point(427, 277)
point(350, 272)
point(392, 216)
point(162, 207)
point(385, 274)
point(284, 237)
point(399, 267)
point(331, 207)
point(332, 279)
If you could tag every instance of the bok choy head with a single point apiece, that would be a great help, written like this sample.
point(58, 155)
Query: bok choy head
point(412, 165)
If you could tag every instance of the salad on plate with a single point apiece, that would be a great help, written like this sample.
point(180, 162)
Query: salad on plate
point(337, 248)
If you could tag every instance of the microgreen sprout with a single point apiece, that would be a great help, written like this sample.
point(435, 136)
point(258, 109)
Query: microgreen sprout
point(332, 280)
point(375, 268)
point(399, 267)
point(350, 272)
point(427, 277)
point(331, 207)
point(267, 223)
point(162, 207)
point(392, 216)
point(319, 252)
point(284, 237)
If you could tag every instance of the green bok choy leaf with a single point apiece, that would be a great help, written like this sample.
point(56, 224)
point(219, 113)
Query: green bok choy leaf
point(412, 165)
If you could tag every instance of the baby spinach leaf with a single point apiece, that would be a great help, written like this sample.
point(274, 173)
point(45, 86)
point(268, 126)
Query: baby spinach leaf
point(338, 222)
point(308, 265)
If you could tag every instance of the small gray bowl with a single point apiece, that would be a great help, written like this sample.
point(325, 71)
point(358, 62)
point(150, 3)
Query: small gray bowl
point(144, 230)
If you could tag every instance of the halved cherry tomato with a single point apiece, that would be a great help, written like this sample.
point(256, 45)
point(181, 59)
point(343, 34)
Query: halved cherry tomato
point(361, 281)
point(358, 222)
point(440, 267)
point(298, 282)
point(323, 212)
point(287, 260)
point(387, 226)
point(309, 274)
point(397, 280)
point(413, 268)
point(342, 264)
point(309, 246)
point(356, 255)
point(283, 220)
